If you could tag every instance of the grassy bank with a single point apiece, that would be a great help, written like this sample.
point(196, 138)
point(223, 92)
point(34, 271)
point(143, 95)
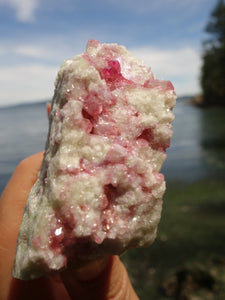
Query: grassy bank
point(187, 261)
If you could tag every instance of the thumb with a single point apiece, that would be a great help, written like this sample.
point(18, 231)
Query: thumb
point(102, 279)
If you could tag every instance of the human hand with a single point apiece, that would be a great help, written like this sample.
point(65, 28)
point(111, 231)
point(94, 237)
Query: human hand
point(102, 279)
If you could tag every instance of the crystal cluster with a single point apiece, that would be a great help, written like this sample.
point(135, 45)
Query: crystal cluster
point(99, 190)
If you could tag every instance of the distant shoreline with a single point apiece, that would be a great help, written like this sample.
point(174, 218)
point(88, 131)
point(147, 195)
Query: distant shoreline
point(21, 104)
point(196, 100)
point(40, 102)
point(200, 102)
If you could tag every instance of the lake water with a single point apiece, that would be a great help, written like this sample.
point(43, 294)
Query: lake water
point(197, 147)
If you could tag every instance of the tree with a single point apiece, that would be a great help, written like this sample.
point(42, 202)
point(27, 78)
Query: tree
point(213, 68)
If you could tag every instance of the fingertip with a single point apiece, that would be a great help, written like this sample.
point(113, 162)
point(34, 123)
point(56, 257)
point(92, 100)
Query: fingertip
point(87, 272)
point(110, 281)
point(48, 108)
point(92, 270)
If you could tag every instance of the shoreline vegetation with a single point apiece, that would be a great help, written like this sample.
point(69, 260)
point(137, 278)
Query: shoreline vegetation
point(199, 101)
point(187, 259)
point(212, 75)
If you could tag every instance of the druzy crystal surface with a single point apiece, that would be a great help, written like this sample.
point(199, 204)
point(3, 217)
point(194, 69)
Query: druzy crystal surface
point(99, 190)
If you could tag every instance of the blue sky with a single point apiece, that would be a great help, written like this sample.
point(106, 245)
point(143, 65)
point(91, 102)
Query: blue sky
point(37, 35)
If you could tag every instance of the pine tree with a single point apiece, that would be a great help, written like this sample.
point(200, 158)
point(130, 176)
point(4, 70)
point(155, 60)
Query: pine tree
point(213, 69)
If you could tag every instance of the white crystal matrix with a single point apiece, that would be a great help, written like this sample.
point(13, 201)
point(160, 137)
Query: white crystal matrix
point(99, 190)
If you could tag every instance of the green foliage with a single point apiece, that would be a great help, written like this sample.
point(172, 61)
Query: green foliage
point(213, 69)
point(216, 25)
point(187, 260)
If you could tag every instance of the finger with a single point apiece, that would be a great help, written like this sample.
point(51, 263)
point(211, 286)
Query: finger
point(48, 107)
point(17, 190)
point(12, 204)
point(112, 282)
point(38, 289)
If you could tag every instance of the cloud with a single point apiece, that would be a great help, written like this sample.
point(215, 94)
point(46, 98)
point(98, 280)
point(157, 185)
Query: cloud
point(181, 66)
point(34, 78)
point(50, 49)
point(26, 83)
point(24, 9)
point(32, 51)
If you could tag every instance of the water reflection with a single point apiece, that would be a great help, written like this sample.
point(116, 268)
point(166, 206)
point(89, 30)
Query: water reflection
point(198, 144)
point(213, 140)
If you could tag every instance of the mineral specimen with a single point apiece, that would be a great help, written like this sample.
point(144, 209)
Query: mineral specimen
point(99, 190)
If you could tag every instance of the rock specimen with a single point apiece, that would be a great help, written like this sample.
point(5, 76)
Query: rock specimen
point(99, 190)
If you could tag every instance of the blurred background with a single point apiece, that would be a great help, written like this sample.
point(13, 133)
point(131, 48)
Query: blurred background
point(182, 41)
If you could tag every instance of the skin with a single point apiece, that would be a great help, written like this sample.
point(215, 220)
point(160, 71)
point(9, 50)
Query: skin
point(103, 279)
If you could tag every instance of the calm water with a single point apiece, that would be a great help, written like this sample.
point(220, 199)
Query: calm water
point(23, 131)
point(198, 145)
point(197, 149)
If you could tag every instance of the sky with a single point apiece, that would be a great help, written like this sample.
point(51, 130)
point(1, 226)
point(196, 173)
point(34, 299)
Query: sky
point(36, 36)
